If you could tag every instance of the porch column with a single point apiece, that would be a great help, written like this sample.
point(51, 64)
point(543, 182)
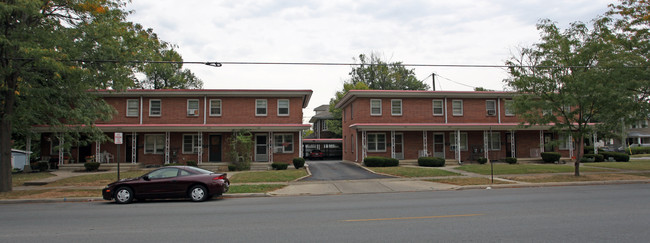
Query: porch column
point(424, 144)
point(541, 141)
point(166, 147)
point(512, 144)
point(271, 146)
point(60, 149)
point(98, 148)
point(364, 145)
point(392, 144)
point(486, 147)
point(134, 147)
point(200, 145)
point(458, 146)
point(595, 139)
point(301, 155)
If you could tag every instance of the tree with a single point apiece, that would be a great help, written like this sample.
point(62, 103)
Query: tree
point(373, 73)
point(51, 54)
point(168, 75)
point(572, 79)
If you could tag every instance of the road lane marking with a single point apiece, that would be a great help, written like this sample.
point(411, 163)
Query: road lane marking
point(406, 218)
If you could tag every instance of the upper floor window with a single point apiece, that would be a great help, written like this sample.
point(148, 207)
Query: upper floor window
point(193, 107)
point(351, 111)
point(375, 107)
point(154, 143)
point(155, 107)
point(491, 107)
point(191, 144)
point(283, 107)
point(457, 107)
point(438, 109)
point(260, 107)
point(132, 107)
point(396, 107)
point(324, 125)
point(215, 107)
point(283, 143)
point(510, 111)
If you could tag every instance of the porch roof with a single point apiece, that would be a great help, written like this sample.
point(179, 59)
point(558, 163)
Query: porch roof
point(195, 127)
point(322, 140)
point(445, 126)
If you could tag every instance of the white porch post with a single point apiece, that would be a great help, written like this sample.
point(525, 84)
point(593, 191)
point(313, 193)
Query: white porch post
point(200, 145)
point(364, 145)
point(166, 147)
point(512, 144)
point(424, 144)
point(60, 149)
point(301, 154)
point(541, 141)
point(595, 139)
point(98, 151)
point(270, 147)
point(134, 147)
point(486, 147)
point(458, 146)
point(392, 144)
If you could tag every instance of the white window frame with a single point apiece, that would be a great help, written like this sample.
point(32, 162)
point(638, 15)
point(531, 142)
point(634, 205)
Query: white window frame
point(454, 103)
point(198, 106)
point(280, 148)
point(373, 138)
point(194, 145)
point(392, 107)
point(565, 142)
point(135, 110)
point(151, 111)
point(266, 107)
point(452, 141)
point(494, 141)
point(219, 107)
point(153, 148)
point(371, 107)
point(492, 109)
point(509, 107)
point(280, 107)
point(324, 125)
point(442, 107)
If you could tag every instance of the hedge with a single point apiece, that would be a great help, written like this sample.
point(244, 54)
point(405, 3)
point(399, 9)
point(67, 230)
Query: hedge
point(640, 150)
point(191, 163)
point(279, 166)
point(298, 163)
point(482, 160)
point(511, 160)
point(431, 162)
point(91, 166)
point(551, 157)
point(593, 158)
point(376, 161)
point(618, 157)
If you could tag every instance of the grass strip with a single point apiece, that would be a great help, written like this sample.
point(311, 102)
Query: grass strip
point(505, 169)
point(50, 193)
point(469, 181)
point(267, 176)
point(260, 188)
point(572, 178)
point(96, 179)
point(632, 165)
point(411, 172)
point(20, 178)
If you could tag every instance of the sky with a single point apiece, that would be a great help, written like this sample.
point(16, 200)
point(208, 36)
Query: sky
point(483, 32)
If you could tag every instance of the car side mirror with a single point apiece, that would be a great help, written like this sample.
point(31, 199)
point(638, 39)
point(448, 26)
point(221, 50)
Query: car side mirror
point(146, 178)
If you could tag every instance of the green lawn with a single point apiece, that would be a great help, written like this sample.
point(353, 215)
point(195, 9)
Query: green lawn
point(468, 181)
point(505, 169)
point(267, 176)
point(261, 188)
point(20, 178)
point(100, 179)
point(632, 165)
point(412, 171)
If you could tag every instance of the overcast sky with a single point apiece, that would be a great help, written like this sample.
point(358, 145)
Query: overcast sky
point(408, 31)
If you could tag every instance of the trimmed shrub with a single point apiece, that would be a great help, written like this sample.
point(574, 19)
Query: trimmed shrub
point(191, 163)
point(640, 150)
point(376, 161)
point(511, 160)
point(172, 164)
point(279, 166)
point(298, 163)
point(482, 160)
point(232, 167)
point(551, 157)
point(91, 166)
point(43, 166)
point(618, 157)
point(431, 162)
point(593, 158)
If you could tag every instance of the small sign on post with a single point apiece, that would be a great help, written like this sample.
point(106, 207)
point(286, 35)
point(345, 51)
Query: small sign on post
point(118, 138)
point(118, 141)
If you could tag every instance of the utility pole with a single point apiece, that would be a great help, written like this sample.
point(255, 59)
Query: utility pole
point(433, 76)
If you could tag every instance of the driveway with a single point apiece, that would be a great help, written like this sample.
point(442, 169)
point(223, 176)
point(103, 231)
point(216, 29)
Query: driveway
point(338, 170)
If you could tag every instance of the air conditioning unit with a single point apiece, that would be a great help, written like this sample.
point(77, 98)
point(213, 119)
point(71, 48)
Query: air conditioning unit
point(192, 112)
point(491, 112)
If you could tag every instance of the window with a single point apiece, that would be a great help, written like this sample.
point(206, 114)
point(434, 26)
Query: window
point(494, 140)
point(215, 107)
point(376, 142)
point(154, 143)
point(260, 107)
point(351, 111)
point(324, 125)
point(437, 108)
point(132, 107)
point(375, 107)
point(463, 141)
point(155, 107)
point(283, 143)
point(163, 173)
point(565, 142)
point(491, 107)
point(191, 144)
point(193, 107)
point(396, 107)
point(457, 107)
point(283, 107)
point(510, 111)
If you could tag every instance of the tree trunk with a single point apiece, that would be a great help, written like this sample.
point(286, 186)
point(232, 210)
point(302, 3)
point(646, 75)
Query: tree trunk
point(581, 148)
point(9, 93)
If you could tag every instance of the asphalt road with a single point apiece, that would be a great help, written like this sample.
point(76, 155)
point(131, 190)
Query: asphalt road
point(612, 213)
point(338, 170)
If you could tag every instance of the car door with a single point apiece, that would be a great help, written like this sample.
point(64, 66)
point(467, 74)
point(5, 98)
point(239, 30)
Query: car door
point(160, 183)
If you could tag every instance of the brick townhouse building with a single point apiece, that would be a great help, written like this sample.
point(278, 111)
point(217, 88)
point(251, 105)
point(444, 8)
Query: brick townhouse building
point(462, 126)
point(167, 126)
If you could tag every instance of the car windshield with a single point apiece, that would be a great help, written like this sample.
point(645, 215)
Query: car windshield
point(199, 170)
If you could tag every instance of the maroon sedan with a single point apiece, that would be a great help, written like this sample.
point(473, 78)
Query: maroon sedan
point(169, 182)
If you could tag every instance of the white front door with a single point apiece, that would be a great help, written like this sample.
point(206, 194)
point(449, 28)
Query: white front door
point(399, 146)
point(261, 148)
point(439, 145)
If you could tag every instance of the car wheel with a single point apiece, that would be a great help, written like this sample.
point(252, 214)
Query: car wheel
point(124, 195)
point(198, 193)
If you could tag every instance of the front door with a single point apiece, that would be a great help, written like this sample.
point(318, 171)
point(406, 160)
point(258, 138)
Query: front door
point(261, 148)
point(439, 145)
point(399, 146)
point(215, 148)
point(548, 145)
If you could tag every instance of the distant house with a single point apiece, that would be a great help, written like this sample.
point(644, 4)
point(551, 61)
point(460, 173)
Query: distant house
point(639, 134)
point(19, 159)
point(323, 138)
